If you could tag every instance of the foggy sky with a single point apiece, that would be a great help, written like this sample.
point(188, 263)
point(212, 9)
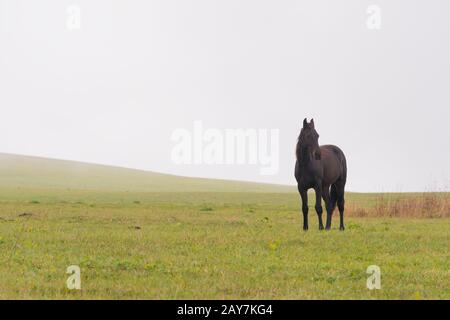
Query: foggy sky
point(114, 91)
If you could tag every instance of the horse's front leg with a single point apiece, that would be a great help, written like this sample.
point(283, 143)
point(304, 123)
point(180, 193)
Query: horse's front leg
point(319, 210)
point(304, 195)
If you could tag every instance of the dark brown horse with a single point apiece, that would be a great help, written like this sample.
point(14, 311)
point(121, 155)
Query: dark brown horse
point(322, 168)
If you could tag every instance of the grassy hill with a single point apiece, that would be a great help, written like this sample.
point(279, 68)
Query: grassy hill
point(210, 239)
point(18, 171)
point(28, 179)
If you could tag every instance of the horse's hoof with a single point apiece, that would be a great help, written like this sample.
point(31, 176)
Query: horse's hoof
point(341, 228)
point(305, 228)
point(328, 228)
point(320, 227)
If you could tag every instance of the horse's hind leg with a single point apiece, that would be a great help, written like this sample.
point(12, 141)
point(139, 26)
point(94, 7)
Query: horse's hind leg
point(333, 197)
point(340, 202)
point(329, 205)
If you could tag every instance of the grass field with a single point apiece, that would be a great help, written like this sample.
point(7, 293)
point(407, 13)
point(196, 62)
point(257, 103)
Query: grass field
point(219, 240)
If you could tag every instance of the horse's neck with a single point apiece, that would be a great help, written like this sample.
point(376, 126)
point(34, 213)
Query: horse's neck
point(303, 154)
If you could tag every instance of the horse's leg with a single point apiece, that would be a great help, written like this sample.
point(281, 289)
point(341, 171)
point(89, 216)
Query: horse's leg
point(333, 197)
point(328, 205)
point(318, 190)
point(304, 195)
point(340, 202)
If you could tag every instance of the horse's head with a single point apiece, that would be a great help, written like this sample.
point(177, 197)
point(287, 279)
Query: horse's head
point(309, 137)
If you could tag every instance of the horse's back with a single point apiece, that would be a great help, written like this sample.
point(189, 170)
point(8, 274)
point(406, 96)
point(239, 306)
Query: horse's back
point(333, 149)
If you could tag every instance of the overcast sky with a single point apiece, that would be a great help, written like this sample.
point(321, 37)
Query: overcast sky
point(112, 84)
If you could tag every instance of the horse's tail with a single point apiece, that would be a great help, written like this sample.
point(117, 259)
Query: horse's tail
point(333, 196)
point(344, 168)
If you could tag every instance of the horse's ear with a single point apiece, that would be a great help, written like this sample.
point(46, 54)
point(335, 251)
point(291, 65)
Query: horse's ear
point(305, 123)
point(312, 123)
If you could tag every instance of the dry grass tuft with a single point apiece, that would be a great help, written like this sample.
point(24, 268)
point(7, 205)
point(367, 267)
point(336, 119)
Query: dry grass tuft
point(426, 205)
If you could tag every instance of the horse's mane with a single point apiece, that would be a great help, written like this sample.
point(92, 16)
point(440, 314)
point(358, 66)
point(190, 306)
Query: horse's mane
point(301, 152)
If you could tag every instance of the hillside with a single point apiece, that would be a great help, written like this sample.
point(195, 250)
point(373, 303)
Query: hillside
point(18, 171)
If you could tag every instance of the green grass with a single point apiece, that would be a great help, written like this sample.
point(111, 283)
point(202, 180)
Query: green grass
point(205, 245)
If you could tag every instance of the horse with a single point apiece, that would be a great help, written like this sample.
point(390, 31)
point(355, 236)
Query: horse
point(322, 168)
